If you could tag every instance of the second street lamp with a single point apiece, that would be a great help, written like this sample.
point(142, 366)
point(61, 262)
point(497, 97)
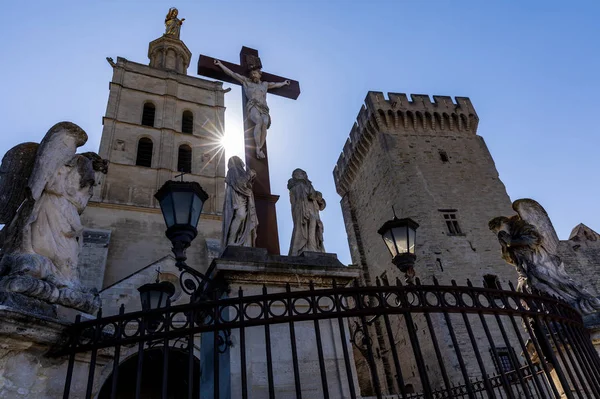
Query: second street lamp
point(399, 237)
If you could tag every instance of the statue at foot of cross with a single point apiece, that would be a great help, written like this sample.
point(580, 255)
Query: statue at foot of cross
point(256, 104)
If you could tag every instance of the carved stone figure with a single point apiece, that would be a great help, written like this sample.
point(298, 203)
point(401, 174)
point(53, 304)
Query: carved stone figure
point(172, 23)
point(239, 212)
point(306, 205)
point(529, 242)
point(256, 105)
point(43, 190)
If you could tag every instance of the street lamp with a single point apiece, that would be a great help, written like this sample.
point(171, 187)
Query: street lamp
point(399, 237)
point(155, 296)
point(181, 204)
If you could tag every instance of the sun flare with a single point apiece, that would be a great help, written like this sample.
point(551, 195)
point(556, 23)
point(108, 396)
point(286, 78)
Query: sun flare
point(233, 140)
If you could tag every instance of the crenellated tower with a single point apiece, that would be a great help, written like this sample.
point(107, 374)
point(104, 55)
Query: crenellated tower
point(425, 159)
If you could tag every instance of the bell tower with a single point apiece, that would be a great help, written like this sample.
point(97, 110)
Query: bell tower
point(159, 122)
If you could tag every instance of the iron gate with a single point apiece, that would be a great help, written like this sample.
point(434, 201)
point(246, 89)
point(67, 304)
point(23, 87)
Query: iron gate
point(383, 341)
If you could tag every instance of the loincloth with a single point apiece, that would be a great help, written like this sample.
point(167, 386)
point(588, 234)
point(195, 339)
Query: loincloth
point(263, 109)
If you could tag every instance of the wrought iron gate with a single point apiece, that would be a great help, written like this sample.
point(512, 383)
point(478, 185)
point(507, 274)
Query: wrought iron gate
point(392, 341)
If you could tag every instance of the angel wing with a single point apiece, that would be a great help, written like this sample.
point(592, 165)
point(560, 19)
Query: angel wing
point(532, 212)
point(15, 170)
point(57, 148)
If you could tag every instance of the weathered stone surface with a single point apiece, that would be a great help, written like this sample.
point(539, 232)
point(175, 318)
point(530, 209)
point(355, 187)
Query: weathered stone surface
point(423, 157)
point(251, 269)
point(239, 211)
point(40, 245)
point(256, 104)
point(307, 234)
point(125, 204)
point(530, 243)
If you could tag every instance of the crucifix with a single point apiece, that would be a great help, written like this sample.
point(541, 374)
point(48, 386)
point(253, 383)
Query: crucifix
point(255, 86)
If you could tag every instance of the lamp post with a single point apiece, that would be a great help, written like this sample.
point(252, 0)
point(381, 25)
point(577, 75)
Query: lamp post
point(399, 237)
point(181, 203)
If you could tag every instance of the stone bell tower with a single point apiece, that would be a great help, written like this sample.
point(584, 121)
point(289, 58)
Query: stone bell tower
point(159, 122)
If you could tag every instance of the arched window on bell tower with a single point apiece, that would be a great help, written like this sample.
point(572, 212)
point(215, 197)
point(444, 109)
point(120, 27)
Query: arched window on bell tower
point(144, 152)
point(187, 122)
point(148, 114)
point(184, 159)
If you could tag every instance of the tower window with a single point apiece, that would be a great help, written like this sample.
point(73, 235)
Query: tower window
point(444, 156)
point(184, 159)
point(504, 363)
point(187, 122)
point(451, 222)
point(144, 152)
point(491, 281)
point(148, 114)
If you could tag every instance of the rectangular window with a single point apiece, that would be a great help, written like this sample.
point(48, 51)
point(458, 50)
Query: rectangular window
point(451, 222)
point(504, 362)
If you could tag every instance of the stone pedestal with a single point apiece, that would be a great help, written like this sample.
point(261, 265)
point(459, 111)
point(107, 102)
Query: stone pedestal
point(26, 370)
point(170, 54)
point(253, 270)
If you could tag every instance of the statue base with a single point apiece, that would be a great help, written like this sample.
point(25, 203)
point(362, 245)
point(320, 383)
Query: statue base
point(34, 276)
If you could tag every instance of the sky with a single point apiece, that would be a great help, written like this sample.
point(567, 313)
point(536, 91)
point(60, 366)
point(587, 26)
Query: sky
point(530, 68)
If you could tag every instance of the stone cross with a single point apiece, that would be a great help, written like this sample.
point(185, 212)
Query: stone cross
point(267, 235)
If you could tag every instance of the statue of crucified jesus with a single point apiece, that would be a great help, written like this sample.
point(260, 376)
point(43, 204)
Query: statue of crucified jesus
point(256, 106)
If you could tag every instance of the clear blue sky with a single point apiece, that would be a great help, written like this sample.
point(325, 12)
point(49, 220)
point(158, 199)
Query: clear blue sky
point(530, 67)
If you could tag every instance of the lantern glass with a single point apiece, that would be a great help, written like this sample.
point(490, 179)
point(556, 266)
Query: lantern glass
point(411, 240)
point(196, 210)
point(166, 207)
point(155, 295)
point(183, 203)
point(389, 242)
point(400, 239)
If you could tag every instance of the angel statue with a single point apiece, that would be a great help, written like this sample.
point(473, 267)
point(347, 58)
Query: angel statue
point(172, 23)
point(43, 190)
point(239, 212)
point(306, 202)
point(530, 243)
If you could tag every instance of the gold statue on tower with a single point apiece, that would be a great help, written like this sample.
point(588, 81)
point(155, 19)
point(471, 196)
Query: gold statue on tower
point(172, 23)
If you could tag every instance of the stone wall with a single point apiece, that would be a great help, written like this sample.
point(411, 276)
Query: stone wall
point(124, 205)
point(581, 256)
point(426, 160)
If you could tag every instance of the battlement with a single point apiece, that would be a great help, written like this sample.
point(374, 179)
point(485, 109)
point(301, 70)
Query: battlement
point(419, 115)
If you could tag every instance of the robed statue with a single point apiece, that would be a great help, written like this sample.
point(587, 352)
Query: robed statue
point(256, 102)
point(43, 190)
point(172, 23)
point(239, 212)
point(306, 202)
point(530, 243)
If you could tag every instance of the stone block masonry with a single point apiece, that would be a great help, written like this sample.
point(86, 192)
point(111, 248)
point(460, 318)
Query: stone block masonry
point(424, 158)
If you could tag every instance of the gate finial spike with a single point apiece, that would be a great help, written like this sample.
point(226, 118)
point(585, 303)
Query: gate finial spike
point(511, 286)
